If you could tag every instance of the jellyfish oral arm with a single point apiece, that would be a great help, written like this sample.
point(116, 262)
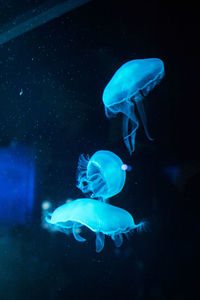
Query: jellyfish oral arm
point(118, 240)
point(129, 138)
point(140, 107)
point(76, 235)
point(100, 237)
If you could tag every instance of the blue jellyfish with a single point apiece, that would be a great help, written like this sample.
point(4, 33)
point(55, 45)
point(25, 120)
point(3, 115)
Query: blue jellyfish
point(102, 176)
point(128, 86)
point(102, 218)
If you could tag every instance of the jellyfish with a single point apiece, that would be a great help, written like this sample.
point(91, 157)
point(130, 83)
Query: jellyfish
point(100, 217)
point(102, 176)
point(128, 86)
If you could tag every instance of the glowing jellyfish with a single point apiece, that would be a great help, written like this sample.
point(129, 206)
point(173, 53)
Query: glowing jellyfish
point(102, 218)
point(128, 86)
point(102, 176)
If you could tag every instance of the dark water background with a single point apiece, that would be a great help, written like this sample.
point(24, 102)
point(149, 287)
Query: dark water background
point(62, 68)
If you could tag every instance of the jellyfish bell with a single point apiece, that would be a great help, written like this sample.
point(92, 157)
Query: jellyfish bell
point(101, 218)
point(102, 175)
point(128, 86)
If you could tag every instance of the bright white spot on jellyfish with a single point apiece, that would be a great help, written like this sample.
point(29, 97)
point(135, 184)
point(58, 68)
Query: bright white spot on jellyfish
point(21, 92)
point(125, 167)
point(46, 205)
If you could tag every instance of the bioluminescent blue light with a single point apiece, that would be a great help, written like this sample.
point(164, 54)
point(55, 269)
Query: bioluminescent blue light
point(128, 86)
point(17, 172)
point(102, 175)
point(102, 218)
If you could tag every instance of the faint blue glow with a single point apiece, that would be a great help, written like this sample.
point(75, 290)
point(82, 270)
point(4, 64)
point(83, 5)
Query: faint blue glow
point(37, 17)
point(102, 175)
point(172, 171)
point(69, 200)
point(17, 172)
point(46, 205)
point(21, 92)
point(102, 218)
point(128, 86)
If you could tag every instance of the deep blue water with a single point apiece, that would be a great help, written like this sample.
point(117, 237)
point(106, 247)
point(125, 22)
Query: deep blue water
point(51, 85)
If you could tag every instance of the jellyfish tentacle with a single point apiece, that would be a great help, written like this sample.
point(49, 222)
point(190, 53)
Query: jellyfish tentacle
point(76, 234)
point(125, 133)
point(82, 182)
point(142, 226)
point(100, 237)
point(129, 138)
point(135, 126)
point(140, 107)
point(83, 162)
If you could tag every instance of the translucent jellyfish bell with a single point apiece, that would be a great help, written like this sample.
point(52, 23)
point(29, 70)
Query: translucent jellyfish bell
point(102, 176)
point(101, 218)
point(128, 86)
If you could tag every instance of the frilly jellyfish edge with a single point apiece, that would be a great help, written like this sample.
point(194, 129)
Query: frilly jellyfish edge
point(100, 176)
